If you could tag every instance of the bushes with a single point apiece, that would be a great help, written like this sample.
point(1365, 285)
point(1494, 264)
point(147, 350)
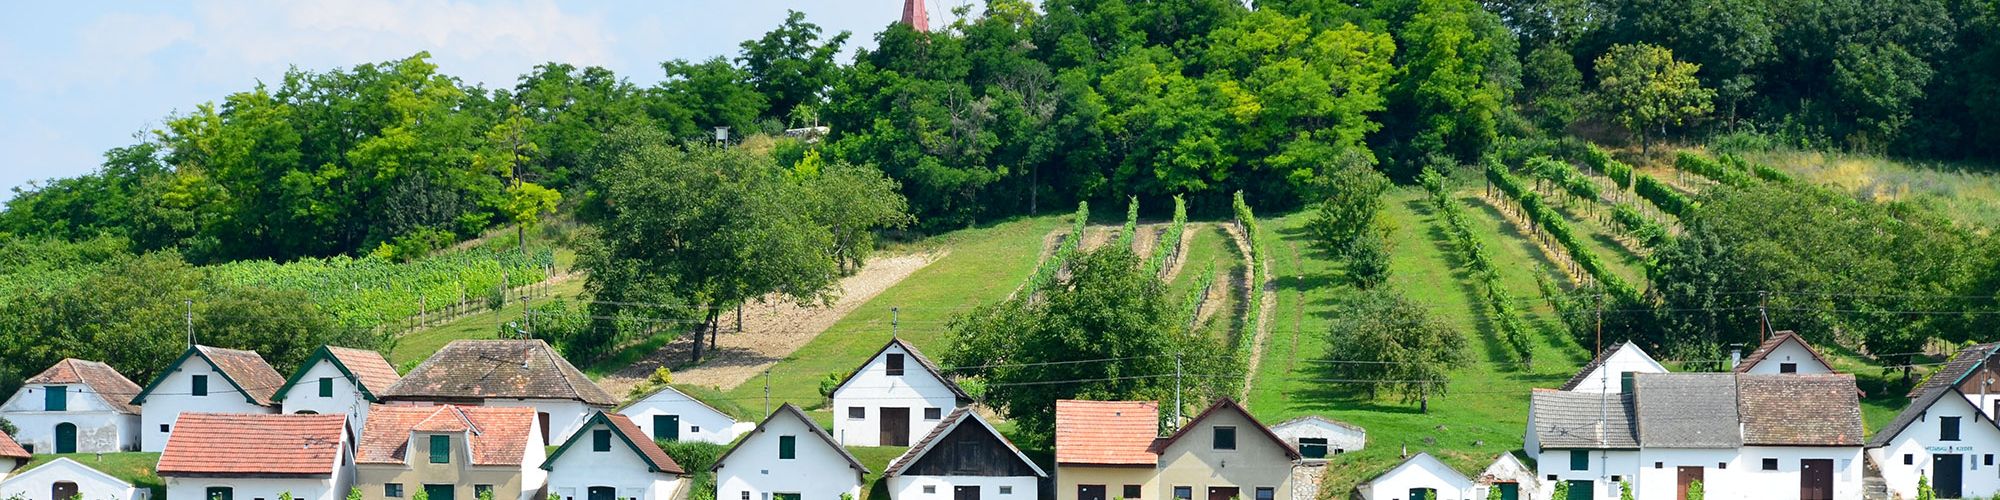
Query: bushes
point(1255, 309)
point(1564, 175)
point(1665, 197)
point(1649, 233)
point(1715, 170)
point(697, 458)
point(1513, 331)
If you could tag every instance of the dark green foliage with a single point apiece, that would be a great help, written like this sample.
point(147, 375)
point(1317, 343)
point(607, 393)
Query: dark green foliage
point(1368, 260)
point(1349, 204)
point(1601, 160)
point(1718, 171)
point(1386, 343)
point(1664, 196)
point(1548, 220)
point(698, 459)
point(790, 67)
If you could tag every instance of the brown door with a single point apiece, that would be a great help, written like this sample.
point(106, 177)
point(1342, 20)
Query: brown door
point(1090, 492)
point(1688, 475)
point(63, 490)
point(1816, 479)
point(544, 416)
point(895, 427)
point(1222, 493)
point(965, 493)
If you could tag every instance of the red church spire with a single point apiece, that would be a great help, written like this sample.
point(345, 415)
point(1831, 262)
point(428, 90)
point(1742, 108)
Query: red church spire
point(913, 15)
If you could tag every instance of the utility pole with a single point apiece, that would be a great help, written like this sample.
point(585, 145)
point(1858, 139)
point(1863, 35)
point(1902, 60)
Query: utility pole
point(528, 316)
point(1763, 316)
point(895, 317)
point(1177, 390)
point(190, 322)
point(1600, 321)
point(767, 391)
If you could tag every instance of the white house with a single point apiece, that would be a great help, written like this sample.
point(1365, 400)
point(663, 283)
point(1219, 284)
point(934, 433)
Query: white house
point(1975, 375)
point(451, 452)
point(204, 379)
point(964, 458)
point(12, 456)
point(506, 373)
point(1612, 369)
point(62, 479)
point(1944, 438)
point(75, 406)
point(610, 458)
point(1319, 437)
point(1514, 479)
point(897, 395)
point(787, 457)
point(337, 380)
point(672, 415)
point(1420, 477)
point(1784, 352)
point(1588, 439)
point(250, 456)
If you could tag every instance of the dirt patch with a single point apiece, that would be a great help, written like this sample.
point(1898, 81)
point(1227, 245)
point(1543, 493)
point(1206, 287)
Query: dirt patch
point(1267, 304)
point(1187, 238)
point(1050, 243)
point(770, 331)
point(1097, 236)
point(1147, 238)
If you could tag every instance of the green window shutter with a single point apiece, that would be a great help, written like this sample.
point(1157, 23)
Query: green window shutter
point(1579, 460)
point(1625, 382)
point(440, 449)
point(200, 385)
point(788, 447)
point(1510, 491)
point(600, 440)
point(57, 398)
point(326, 387)
point(666, 427)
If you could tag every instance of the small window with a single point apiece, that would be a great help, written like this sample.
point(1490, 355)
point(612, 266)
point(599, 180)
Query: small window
point(164, 427)
point(1225, 437)
point(746, 495)
point(220, 493)
point(200, 385)
point(440, 449)
point(392, 490)
point(1909, 459)
point(1659, 465)
point(895, 365)
point(1788, 367)
point(933, 413)
point(1770, 464)
point(1948, 428)
point(1266, 493)
point(1625, 382)
point(1006, 490)
point(1552, 477)
point(1617, 478)
point(326, 387)
point(57, 398)
point(600, 440)
point(1183, 493)
point(1579, 460)
point(1312, 447)
point(694, 429)
point(857, 412)
point(1132, 491)
point(788, 447)
point(482, 491)
point(930, 489)
point(1989, 459)
point(1722, 465)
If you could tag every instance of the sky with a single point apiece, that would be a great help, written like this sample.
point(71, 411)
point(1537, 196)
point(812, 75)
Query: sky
point(77, 79)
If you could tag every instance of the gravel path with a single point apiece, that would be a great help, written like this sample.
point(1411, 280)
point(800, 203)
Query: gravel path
point(770, 331)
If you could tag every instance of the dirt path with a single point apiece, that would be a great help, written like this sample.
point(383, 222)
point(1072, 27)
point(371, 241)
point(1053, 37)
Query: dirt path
point(1259, 333)
point(770, 331)
point(1187, 238)
point(1050, 243)
point(1097, 236)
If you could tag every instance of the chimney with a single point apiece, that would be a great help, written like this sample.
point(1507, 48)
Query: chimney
point(913, 15)
point(1735, 357)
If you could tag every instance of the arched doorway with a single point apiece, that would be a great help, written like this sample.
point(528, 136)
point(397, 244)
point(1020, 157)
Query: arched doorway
point(63, 490)
point(65, 439)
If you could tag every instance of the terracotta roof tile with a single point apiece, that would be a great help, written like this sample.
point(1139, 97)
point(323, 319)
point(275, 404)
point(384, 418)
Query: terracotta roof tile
point(235, 444)
point(1800, 410)
point(498, 369)
point(499, 436)
point(99, 377)
point(1106, 432)
point(11, 449)
point(248, 370)
point(374, 371)
point(646, 447)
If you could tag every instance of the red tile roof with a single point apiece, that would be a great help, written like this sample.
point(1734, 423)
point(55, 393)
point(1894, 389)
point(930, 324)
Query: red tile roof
point(1106, 432)
point(478, 369)
point(374, 371)
point(99, 377)
point(11, 449)
point(244, 444)
point(643, 443)
point(248, 370)
point(498, 436)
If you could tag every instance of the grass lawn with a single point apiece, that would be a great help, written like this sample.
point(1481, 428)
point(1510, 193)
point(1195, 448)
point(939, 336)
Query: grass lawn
point(413, 348)
point(1965, 192)
point(132, 467)
point(877, 459)
point(1211, 250)
point(983, 266)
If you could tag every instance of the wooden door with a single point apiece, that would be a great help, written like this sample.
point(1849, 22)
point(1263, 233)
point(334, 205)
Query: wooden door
point(1090, 492)
point(1949, 471)
point(666, 427)
point(1816, 479)
point(603, 493)
point(63, 490)
point(1688, 475)
point(965, 493)
point(895, 427)
point(65, 438)
point(1223, 493)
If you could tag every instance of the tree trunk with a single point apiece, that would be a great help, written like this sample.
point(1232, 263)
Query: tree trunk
point(708, 324)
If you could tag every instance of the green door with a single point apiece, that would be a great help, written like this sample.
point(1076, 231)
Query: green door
point(438, 491)
point(1510, 491)
point(666, 427)
point(65, 438)
point(1581, 490)
point(603, 493)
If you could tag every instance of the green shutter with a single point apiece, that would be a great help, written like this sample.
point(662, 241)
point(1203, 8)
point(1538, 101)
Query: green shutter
point(600, 440)
point(1625, 382)
point(440, 449)
point(788, 447)
point(1582, 490)
point(326, 387)
point(200, 385)
point(57, 398)
point(666, 428)
point(1579, 460)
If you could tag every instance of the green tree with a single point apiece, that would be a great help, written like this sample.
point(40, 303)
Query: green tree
point(1645, 89)
point(1393, 345)
point(1457, 72)
point(1696, 491)
point(789, 66)
point(853, 202)
point(1561, 491)
point(1924, 491)
point(1368, 259)
point(1624, 490)
point(1880, 83)
point(1552, 87)
point(1350, 205)
point(696, 97)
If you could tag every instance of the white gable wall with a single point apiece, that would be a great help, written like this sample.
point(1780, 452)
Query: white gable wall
point(1338, 439)
point(873, 389)
point(173, 396)
point(346, 400)
point(39, 483)
point(565, 416)
point(1755, 482)
point(1605, 378)
point(1601, 468)
point(580, 467)
point(698, 422)
point(1419, 473)
point(942, 487)
point(1919, 441)
point(818, 473)
point(100, 428)
point(1789, 352)
point(1507, 469)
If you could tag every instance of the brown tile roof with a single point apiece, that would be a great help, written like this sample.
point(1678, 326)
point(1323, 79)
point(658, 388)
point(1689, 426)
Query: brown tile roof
point(373, 370)
point(1800, 410)
point(11, 449)
point(1772, 344)
point(1106, 432)
point(498, 369)
point(1963, 363)
point(1228, 405)
point(253, 444)
point(497, 436)
point(922, 361)
point(793, 412)
point(247, 370)
point(99, 377)
point(958, 417)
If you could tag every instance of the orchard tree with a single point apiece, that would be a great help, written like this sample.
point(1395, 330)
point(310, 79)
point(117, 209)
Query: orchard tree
point(1350, 202)
point(1645, 89)
point(1390, 344)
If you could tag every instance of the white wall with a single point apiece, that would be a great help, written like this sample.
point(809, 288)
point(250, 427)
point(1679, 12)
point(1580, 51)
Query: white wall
point(173, 396)
point(1717, 482)
point(1789, 352)
point(1986, 402)
point(39, 483)
point(346, 397)
point(698, 422)
point(1337, 437)
point(874, 389)
point(1605, 378)
point(1920, 441)
point(196, 488)
point(1396, 485)
point(912, 487)
point(565, 415)
point(1604, 464)
point(819, 472)
point(580, 467)
point(1754, 482)
point(99, 426)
